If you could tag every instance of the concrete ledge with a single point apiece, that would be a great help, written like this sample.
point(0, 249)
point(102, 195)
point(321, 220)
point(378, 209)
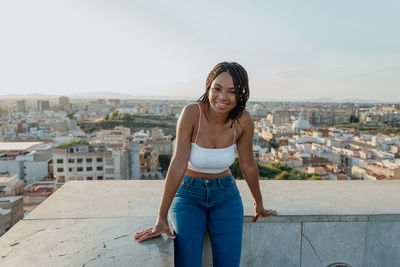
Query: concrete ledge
point(92, 223)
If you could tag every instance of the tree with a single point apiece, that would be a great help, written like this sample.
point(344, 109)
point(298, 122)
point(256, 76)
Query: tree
point(127, 117)
point(273, 143)
point(235, 169)
point(283, 176)
point(164, 161)
point(354, 119)
point(115, 115)
point(107, 117)
point(315, 177)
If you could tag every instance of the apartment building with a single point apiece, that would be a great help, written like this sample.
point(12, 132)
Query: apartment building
point(390, 172)
point(29, 161)
point(11, 186)
point(84, 162)
point(22, 106)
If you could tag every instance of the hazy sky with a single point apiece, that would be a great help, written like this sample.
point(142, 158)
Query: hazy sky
point(291, 49)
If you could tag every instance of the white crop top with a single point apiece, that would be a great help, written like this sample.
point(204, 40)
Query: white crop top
point(210, 160)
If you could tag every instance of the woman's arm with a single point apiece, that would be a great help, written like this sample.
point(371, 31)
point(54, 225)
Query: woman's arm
point(248, 165)
point(175, 173)
point(179, 160)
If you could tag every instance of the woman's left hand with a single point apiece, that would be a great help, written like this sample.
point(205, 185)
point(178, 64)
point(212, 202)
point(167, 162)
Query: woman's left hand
point(260, 211)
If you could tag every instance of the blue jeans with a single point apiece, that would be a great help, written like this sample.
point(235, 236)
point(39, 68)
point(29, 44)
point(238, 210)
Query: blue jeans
point(214, 203)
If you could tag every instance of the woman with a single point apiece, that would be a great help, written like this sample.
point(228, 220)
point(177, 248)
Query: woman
point(207, 196)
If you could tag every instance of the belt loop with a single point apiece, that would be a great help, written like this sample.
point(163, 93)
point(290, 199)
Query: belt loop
point(191, 181)
point(218, 181)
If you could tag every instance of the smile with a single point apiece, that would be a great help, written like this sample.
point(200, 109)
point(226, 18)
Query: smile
point(221, 105)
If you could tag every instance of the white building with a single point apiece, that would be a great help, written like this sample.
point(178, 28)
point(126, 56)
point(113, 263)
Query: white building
point(30, 161)
point(83, 162)
point(159, 109)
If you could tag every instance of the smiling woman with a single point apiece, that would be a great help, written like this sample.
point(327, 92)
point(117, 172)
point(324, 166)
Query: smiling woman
point(232, 78)
point(199, 186)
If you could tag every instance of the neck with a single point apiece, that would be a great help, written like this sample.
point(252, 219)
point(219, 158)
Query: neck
point(217, 118)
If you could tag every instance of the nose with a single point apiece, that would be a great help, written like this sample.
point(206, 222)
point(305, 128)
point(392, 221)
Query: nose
point(222, 95)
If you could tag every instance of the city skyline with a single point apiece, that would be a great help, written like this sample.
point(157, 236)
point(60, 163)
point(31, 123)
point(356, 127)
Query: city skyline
point(88, 96)
point(291, 52)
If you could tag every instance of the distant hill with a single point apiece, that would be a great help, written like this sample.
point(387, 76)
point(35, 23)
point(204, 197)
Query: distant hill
point(105, 95)
point(118, 95)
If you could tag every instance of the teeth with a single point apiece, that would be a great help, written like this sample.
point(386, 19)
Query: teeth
point(222, 105)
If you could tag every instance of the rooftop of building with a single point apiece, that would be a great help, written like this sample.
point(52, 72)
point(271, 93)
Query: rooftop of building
point(91, 223)
point(10, 198)
point(39, 188)
point(7, 179)
point(18, 146)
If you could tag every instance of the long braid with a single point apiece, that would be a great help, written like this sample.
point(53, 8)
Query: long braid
point(241, 84)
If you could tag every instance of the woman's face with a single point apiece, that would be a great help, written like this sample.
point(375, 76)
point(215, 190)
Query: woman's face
point(222, 94)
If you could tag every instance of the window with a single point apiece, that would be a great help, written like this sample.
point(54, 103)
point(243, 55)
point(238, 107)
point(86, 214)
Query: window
point(71, 160)
point(109, 178)
point(99, 168)
point(99, 177)
point(70, 169)
point(79, 160)
point(89, 178)
point(60, 169)
point(60, 161)
point(99, 159)
point(88, 160)
point(80, 169)
point(61, 179)
point(109, 171)
point(88, 169)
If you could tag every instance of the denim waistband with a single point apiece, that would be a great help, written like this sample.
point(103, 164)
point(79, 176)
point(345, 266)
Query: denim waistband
point(210, 181)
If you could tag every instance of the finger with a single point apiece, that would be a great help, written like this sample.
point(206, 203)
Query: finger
point(143, 232)
point(267, 213)
point(140, 234)
point(256, 217)
point(149, 235)
point(169, 234)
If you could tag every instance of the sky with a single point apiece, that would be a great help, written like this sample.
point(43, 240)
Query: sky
point(341, 49)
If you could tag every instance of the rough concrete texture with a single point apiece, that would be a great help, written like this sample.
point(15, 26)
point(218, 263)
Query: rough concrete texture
point(83, 242)
point(92, 223)
point(383, 244)
point(332, 242)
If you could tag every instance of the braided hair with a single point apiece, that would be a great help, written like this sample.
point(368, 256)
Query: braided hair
point(241, 84)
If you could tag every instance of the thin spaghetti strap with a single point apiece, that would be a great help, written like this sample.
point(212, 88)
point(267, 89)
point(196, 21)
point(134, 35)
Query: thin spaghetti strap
point(198, 127)
point(234, 134)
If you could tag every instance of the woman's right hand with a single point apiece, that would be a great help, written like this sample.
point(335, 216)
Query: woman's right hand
point(161, 227)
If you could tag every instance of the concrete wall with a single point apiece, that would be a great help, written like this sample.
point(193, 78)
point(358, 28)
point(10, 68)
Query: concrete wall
point(319, 223)
point(35, 170)
point(15, 204)
point(5, 220)
point(12, 167)
point(355, 241)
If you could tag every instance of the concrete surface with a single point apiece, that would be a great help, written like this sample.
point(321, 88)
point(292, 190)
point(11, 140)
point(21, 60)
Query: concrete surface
point(91, 223)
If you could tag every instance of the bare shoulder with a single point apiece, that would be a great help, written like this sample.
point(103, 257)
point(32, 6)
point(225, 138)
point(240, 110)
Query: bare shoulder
point(245, 121)
point(189, 115)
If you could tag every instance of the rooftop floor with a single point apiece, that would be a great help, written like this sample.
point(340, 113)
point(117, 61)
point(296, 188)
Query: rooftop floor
point(92, 223)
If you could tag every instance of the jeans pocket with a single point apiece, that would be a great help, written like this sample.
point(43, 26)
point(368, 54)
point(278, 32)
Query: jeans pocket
point(185, 183)
point(228, 184)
